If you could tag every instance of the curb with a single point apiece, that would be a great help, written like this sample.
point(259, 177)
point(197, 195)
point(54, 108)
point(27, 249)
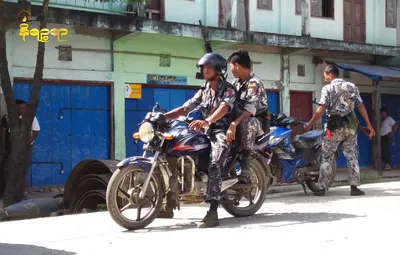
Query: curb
point(297, 187)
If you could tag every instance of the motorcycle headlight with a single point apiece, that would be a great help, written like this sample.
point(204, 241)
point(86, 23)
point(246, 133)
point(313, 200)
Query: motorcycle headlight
point(273, 140)
point(146, 132)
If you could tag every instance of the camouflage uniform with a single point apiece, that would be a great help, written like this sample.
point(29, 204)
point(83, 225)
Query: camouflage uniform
point(338, 105)
point(252, 98)
point(225, 94)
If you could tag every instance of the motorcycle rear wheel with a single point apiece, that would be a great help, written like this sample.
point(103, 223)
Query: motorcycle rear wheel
point(312, 184)
point(115, 195)
point(250, 210)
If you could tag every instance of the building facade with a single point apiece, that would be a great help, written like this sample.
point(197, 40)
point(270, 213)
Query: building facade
point(114, 67)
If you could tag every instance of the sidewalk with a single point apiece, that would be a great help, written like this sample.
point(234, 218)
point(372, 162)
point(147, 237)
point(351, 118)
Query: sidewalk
point(368, 175)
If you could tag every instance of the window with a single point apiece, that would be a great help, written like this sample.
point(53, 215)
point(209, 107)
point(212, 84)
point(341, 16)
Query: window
point(165, 60)
point(298, 7)
point(346, 74)
point(301, 70)
point(65, 53)
point(264, 4)
point(323, 8)
point(391, 13)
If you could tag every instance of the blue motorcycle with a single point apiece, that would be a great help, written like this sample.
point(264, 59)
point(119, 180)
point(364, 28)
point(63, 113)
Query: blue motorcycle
point(174, 168)
point(296, 160)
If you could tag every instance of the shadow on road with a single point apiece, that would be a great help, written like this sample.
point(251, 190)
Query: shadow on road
point(270, 221)
point(22, 249)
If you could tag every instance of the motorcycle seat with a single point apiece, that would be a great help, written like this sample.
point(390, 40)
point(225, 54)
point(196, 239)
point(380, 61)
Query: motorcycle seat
point(310, 135)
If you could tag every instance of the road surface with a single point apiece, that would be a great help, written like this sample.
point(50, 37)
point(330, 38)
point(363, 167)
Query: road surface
point(287, 223)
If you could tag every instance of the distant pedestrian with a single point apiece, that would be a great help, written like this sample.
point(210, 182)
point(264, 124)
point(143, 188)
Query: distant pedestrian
point(5, 135)
point(387, 131)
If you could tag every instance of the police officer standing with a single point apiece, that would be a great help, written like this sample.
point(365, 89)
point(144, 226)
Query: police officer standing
point(251, 101)
point(216, 98)
point(338, 99)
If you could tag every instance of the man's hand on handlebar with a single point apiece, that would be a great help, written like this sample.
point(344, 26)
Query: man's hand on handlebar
point(198, 124)
point(307, 127)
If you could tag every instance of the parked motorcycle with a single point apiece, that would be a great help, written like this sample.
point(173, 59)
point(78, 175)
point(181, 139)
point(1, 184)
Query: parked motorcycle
point(294, 161)
point(178, 167)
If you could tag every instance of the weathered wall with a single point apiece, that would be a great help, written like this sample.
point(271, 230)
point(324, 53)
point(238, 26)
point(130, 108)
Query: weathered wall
point(84, 65)
point(377, 32)
point(192, 11)
point(328, 28)
point(130, 68)
point(283, 20)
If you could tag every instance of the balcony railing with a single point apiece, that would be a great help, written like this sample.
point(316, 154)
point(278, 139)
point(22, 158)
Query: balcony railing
point(116, 7)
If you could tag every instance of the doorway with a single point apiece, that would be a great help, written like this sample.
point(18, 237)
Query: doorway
point(354, 21)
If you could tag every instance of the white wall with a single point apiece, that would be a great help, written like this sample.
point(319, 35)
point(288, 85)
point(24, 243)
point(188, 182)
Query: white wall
point(377, 32)
point(191, 11)
point(89, 66)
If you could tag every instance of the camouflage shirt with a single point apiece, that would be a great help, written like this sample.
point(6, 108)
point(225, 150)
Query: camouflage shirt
point(225, 94)
point(251, 95)
point(340, 97)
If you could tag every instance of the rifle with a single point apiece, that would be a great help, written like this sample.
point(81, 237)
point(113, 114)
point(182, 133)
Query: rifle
point(207, 47)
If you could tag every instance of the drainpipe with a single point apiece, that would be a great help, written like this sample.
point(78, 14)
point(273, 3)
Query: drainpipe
point(204, 18)
point(280, 17)
point(398, 24)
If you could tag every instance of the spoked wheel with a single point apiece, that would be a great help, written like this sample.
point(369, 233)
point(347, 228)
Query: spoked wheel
point(124, 203)
point(312, 184)
point(246, 201)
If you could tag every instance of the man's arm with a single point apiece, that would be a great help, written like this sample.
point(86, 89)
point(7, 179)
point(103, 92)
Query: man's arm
point(364, 114)
point(224, 108)
point(394, 129)
point(186, 108)
point(394, 126)
point(317, 115)
point(35, 130)
point(175, 113)
point(254, 91)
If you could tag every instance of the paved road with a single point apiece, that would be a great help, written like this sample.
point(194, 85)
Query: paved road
point(287, 223)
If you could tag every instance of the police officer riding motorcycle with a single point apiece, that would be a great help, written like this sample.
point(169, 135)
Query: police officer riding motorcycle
point(216, 100)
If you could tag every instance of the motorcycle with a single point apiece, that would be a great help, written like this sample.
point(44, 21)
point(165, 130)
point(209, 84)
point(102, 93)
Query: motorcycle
point(177, 172)
point(294, 161)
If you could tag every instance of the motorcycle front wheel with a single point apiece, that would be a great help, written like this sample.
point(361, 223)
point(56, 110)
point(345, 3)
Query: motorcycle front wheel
point(255, 195)
point(123, 199)
point(312, 184)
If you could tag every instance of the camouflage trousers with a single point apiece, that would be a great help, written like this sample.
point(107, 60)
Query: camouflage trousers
point(249, 128)
point(347, 139)
point(220, 150)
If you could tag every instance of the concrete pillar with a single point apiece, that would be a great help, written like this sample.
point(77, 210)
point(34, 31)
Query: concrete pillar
point(305, 18)
point(285, 77)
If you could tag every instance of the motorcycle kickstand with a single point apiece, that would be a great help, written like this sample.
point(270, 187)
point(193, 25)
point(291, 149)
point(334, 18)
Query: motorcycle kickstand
point(304, 188)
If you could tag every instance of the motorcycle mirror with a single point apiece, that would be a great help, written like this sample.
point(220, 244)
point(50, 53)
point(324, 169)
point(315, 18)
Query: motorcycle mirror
point(199, 76)
point(194, 110)
point(156, 107)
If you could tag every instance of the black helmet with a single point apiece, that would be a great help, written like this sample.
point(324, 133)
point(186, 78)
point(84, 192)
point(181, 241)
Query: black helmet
point(214, 59)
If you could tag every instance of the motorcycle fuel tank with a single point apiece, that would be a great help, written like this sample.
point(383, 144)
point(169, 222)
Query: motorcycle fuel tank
point(187, 142)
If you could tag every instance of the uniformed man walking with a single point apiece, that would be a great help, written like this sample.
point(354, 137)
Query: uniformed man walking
point(216, 98)
point(250, 105)
point(338, 99)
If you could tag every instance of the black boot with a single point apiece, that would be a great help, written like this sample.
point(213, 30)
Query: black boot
point(211, 220)
point(245, 163)
point(354, 191)
point(320, 192)
point(166, 214)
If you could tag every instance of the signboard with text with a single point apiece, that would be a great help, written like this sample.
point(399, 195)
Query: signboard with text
point(133, 91)
point(166, 79)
